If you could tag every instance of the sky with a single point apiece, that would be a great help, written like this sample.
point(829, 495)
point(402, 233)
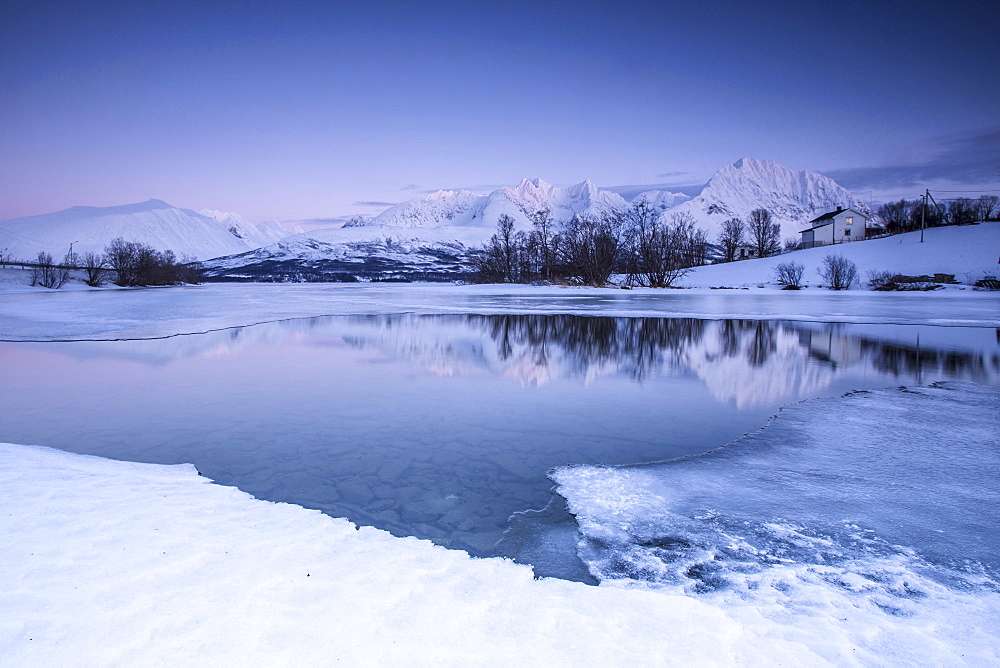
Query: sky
point(314, 111)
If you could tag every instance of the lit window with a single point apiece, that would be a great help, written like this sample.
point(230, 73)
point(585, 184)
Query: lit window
point(850, 220)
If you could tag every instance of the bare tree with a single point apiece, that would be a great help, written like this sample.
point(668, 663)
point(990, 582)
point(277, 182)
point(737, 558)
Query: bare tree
point(543, 243)
point(47, 274)
point(590, 248)
point(731, 237)
point(987, 207)
point(962, 211)
point(765, 235)
point(505, 257)
point(136, 263)
point(95, 265)
point(896, 216)
point(789, 275)
point(838, 272)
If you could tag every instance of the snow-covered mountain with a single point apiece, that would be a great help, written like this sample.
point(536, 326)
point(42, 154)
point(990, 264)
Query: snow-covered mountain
point(793, 197)
point(466, 209)
point(164, 227)
point(449, 223)
point(264, 234)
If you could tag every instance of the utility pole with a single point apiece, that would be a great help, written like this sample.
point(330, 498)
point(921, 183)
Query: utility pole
point(923, 213)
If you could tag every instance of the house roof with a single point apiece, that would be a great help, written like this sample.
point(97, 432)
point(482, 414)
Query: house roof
point(828, 217)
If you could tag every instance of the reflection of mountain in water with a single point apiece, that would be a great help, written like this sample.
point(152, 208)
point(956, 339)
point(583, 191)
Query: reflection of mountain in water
point(747, 362)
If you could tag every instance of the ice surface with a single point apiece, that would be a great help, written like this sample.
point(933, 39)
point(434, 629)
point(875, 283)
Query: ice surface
point(444, 427)
point(36, 314)
point(850, 512)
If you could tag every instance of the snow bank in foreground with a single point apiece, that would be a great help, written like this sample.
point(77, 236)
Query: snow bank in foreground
point(107, 562)
point(110, 563)
point(867, 521)
point(948, 250)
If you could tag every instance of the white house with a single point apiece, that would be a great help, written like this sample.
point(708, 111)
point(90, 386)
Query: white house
point(835, 227)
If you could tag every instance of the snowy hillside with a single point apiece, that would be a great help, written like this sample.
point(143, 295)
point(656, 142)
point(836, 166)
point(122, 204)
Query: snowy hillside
point(967, 251)
point(164, 227)
point(266, 233)
point(355, 254)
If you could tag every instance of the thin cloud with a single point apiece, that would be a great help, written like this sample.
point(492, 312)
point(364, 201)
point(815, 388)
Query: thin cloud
point(374, 203)
point(629, 192)
point(965, 159)
point(412, 186)
point(487, 188)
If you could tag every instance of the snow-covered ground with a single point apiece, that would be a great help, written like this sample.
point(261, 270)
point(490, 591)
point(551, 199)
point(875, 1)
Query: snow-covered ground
point(110, 562)
point(967, 252)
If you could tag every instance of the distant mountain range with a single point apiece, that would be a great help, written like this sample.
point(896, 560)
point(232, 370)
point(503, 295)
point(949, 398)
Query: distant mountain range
point(425, 238)
point(187, 233)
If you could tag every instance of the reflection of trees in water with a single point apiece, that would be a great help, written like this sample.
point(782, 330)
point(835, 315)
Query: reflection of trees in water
point(901, 360)
point(641, 346)
point(910, 361)
point(637, 345)
point(757, 339)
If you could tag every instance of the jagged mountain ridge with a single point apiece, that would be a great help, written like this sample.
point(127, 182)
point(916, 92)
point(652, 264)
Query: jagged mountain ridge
point(185, 232)
point(792, 197)
point(462, 208)
point(446, 224)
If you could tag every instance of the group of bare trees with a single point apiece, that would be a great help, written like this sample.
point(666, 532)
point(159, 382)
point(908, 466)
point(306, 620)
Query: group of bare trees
point(907, 215)
point(759, 231)
point(587, 250)
point(127, 263)
point(136, 263)
point(46, 273)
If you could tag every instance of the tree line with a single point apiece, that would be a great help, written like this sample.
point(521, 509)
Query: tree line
point(125, 263)
point(908, 215)
point(648, 248)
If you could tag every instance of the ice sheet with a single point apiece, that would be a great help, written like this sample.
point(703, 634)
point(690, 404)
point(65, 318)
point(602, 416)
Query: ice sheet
point(875, 511)
point(33, 315)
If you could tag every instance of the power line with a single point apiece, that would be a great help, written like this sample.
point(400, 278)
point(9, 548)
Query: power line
point(24, 238)
point(966, 191)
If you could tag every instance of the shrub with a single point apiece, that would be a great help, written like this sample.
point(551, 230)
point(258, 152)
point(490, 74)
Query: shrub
point(881, 280)
point(789, 274)
point(838, 272)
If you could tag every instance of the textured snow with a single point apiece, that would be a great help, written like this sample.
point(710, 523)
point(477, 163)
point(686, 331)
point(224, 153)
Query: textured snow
point(153, 222)
point(109, 562)
point(793, 197)
point(870, 520)
point(266, 233)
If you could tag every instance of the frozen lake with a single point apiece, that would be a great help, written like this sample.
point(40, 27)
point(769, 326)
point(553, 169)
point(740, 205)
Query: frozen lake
point(446, 426)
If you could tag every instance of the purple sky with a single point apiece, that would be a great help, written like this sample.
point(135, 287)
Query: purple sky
point(306, 110)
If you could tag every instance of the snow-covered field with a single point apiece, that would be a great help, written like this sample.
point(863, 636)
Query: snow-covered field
point(967, 252)
point(108, 562)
